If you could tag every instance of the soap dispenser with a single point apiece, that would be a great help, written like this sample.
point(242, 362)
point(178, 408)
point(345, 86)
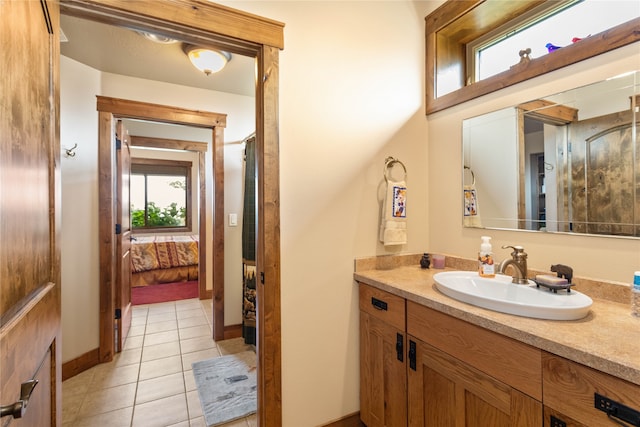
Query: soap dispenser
point(486, 266)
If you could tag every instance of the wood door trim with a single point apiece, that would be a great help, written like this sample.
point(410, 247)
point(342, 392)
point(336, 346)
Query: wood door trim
point(176, 144)
point(202, 236)
point(231, 26)
point(125, 108)
point(106, 235)
point(122, 108)
point(218, 234)
point(236, 36)
point(268, 315)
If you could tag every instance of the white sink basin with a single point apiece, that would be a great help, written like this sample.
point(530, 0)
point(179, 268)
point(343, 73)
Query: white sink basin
point(499, 294)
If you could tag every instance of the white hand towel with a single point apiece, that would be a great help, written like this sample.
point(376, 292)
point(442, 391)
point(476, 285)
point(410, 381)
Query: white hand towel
point(393, 224)
point(471, 216)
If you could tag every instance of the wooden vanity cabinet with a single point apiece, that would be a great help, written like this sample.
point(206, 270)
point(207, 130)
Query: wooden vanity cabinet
point(462, 374)
point(421, 367)
point(383, 376)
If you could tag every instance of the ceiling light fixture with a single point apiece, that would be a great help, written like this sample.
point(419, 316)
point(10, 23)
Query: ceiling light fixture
point(207, 60)
point(157, 38)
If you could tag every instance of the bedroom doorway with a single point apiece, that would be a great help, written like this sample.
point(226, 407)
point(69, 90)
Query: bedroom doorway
point(165, 192)
point(260, 38)
point(115, 312)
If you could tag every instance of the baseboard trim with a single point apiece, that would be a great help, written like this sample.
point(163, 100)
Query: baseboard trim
point(80, 364)
point(352, 420)
point(232, 331)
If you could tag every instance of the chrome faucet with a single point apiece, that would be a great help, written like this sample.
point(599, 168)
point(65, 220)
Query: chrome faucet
point(518, 263)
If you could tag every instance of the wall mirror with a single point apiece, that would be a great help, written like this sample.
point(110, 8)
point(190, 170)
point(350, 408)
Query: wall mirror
point(567, 162)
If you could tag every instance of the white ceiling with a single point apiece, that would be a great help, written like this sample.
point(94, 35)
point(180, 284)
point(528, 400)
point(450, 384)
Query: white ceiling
point(121, 51)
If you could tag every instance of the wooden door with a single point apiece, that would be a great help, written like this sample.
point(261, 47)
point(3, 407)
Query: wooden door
point(30, 348)
point(123, 237)
point(444, 391)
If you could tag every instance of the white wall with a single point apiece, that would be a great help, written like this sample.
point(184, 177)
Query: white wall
point(79, 175)
point(80, 252)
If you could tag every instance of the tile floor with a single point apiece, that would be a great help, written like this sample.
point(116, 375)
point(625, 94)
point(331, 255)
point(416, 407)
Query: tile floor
point(150, 383)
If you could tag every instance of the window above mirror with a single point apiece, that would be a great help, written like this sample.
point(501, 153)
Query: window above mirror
point(457, 29)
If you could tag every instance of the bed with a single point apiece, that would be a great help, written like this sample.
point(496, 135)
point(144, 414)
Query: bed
point(163, 259)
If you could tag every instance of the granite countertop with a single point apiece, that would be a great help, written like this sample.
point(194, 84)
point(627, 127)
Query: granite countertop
point(607, 339)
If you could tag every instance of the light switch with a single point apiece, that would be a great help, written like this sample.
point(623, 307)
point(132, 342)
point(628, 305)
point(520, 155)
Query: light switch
point(233, 220)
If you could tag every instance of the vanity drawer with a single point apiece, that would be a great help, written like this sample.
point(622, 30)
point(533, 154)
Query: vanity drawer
point(569, 388)
point(511, 362)
point(383, 305)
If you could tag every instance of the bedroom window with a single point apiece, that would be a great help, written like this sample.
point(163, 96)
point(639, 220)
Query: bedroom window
point(160, 195)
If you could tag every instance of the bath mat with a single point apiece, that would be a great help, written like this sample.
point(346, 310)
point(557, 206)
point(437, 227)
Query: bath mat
point(227, 387)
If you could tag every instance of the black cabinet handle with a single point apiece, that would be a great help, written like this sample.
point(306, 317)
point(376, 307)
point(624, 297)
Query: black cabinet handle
point(616, 411)
point(412, 355)
point(400, 347)
point(378, 304)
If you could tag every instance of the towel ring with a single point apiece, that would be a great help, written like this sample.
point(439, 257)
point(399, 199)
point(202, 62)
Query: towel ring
point(388, 164)
point(473, 175)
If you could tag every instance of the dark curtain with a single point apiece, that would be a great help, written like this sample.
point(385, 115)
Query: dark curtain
point(249, 245)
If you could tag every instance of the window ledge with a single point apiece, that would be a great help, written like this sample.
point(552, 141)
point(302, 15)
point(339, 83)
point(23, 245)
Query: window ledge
point(597, 44)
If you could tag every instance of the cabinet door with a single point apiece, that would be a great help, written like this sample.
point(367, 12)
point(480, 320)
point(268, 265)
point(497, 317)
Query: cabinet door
point(445, 392)
point(383, 382)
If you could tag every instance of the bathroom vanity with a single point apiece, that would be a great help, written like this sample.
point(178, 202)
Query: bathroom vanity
point(427, 359)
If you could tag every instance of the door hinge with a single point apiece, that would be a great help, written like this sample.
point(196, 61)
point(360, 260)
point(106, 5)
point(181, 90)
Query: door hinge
point(118, 314)
point(118, 228)
point(118, 144)
point(262, 277)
